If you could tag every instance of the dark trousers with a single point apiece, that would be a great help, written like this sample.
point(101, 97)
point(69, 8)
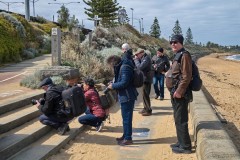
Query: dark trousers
point(53, 120)
point(146, 96)
point(90, 119)
point(127, 116)
point(180, 108)
point(158, 84)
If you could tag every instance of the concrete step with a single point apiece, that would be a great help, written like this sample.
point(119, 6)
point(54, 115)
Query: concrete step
point(17, 117)
point(49, 144)
point(16, 139)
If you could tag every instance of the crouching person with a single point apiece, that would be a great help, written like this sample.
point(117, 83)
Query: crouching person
point(52, 106)
point(95, 114)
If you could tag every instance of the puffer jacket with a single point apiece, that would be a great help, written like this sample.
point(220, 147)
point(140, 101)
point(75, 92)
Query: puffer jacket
point(123, 83)
point(180, 74)
point(93, 102)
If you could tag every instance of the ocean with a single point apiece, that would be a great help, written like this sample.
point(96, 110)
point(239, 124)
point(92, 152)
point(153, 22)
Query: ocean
point(234, 57)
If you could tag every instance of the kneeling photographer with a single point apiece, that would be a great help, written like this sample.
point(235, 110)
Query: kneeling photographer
point(51, 106)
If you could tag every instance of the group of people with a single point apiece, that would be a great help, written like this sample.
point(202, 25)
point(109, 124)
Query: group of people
point(156, 70)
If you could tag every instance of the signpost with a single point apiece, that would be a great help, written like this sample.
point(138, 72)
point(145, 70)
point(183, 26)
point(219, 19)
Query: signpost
point(56, 47)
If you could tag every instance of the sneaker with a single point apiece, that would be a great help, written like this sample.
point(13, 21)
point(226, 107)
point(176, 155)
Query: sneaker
point(161, 98)
point(174, 145)
point(142, 111)
point(147, 114)
point(181, 150)
point(63, 129)
point(125, 142)
point(156, 96)
point(119, 139)
point(99, 128)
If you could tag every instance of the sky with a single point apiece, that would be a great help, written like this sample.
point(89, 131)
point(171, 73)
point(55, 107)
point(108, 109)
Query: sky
point(217, 21)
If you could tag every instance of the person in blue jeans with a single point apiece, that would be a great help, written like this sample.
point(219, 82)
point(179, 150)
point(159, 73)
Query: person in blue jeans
point(160, 64)
point(127, 93)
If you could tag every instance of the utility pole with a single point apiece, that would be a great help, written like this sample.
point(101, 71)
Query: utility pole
point(27, 10)
point(142, 26)
point(9, 3)
point(132, 16)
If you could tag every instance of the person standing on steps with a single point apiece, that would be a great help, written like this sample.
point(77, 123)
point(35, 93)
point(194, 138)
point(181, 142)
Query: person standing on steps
point(178, 78)
point(160, 64)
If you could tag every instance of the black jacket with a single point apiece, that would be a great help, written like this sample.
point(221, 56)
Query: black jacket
point(53, 102)
point(162, 62)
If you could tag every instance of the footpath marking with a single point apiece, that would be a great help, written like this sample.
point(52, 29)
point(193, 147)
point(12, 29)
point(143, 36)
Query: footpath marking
point(2, 95)
point(13, 77)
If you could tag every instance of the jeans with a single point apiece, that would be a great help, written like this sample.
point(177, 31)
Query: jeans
point(53, 120)
point(127, 116)
point(90, 119)
point(180, 108)
point(146, 96)
point(159, 79)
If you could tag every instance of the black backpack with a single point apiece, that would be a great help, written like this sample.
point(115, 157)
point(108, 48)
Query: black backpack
point(196, 82)
point(138, 76)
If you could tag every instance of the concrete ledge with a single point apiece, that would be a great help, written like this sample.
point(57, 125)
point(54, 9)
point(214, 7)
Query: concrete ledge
point(211, 140)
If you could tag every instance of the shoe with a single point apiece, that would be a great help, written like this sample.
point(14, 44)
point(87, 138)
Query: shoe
point(174, 145)
point(99, 128)
point(181, 150)
point(125, 142)
point(161, 98)
point(119, 139)
point(156, 96)
point(142, 111)
point(63, 129)
point(147, 114)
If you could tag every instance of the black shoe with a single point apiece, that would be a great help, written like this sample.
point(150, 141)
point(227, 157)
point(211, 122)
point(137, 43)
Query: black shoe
point(147, 114)
point(125, 142)
point(161, 98)
point(174, 145)
point(156, 96)
point(181, 150)
point(119, 139)
point(99, 128)
point(63, 129)
point(142, 111)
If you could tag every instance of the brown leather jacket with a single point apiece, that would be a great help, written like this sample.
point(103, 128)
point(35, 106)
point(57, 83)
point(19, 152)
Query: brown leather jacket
point(180, 73)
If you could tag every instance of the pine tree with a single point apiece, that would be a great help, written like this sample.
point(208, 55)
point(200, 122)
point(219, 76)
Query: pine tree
point(177, 29)
point(63, 15)
point(155, 29)
point(189, 37)
point(105, 9)
point(73, 22)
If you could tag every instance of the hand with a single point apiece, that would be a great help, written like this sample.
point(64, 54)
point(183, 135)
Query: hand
point(110, 86)
point(176, 95)
point(38, 104)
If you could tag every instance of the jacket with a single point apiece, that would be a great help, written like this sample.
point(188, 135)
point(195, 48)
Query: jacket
point(93, 102)
point(162, 63)
point(123, 83)
point(180, 74)
point(145, 65)
point(53, 102)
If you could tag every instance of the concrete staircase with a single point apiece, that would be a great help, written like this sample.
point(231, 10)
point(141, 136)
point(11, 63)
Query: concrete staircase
point(23, 137)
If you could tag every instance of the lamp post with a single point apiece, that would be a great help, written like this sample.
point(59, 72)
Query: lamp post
point(9, 3)
point(63, 4)
point(132, 15)
point(34, 7)
point(142, 26)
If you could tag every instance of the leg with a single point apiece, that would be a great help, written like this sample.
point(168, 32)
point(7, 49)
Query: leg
point(146, 97)
point(155, 85)
point(162, 78)
point(49, 121)
point(89, 119)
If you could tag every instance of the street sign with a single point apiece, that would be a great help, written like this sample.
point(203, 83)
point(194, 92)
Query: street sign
point(54, 31)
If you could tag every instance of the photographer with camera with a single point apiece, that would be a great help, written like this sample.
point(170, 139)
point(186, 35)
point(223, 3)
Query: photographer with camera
point(52, 107)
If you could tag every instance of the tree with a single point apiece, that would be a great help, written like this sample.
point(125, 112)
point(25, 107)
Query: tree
point(177, 29)
point(63, 15)
point(105, 9)
point(73, 22)
point(155, 29)
point(189, 37)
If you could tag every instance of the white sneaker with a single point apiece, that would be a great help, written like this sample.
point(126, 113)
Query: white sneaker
point(99, 128)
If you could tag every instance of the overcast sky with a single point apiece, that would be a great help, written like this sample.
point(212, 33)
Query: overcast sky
point(217, 21)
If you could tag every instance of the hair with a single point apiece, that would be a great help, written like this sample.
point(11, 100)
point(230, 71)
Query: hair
point(113, 60)
point(125, 46)
point(89, 81)
point(160, 50)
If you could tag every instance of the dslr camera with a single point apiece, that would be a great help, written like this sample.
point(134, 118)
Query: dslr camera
point(41, 101)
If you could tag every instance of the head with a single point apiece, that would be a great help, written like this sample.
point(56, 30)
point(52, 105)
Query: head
point(88, 83)
point(125, 47)
point(139, 53)
point(176, 42)
point(113, 60)
point(72, 81)
point(160, 52)
point(44, 84)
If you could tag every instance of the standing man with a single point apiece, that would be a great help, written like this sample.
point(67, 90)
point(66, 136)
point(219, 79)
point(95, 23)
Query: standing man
point(161, 65)
point(177, 81)
point(144, 63)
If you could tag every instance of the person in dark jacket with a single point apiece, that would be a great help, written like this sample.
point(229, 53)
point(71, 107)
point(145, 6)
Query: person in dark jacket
point(127, 93)
point(178, 78)
point(143, 61)
point(160, 64)
point(51, 106)
point(95, 113)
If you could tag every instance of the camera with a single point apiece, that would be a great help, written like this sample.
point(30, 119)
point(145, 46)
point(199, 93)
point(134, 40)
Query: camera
point(106, 90)
point(41, 101)
point(34, 101)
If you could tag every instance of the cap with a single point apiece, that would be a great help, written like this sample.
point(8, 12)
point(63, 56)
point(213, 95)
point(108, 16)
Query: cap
point(160, 50)
point(139, 50)
point(89, 81)
point(178, 38)
point(46, 81)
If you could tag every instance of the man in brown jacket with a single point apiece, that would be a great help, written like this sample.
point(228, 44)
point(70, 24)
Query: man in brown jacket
point(178, 78)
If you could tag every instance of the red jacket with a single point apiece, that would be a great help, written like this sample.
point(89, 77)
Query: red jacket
point(93, 102)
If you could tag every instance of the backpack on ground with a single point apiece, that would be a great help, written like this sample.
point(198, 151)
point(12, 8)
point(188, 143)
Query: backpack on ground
point(74, 101)
point(196, 82)
point(138, 76)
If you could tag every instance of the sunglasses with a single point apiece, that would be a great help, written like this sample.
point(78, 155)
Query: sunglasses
point(173, 42)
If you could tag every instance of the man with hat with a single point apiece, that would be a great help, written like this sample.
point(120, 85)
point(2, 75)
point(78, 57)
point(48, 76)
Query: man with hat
point(52, 106)
point(178, 78)
point(144, 63)
point(160, 64)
